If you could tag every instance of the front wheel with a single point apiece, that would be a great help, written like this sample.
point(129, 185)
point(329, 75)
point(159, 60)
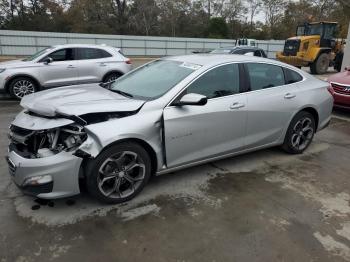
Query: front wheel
point(320, 66)
point(300, 133)
point(22, 86)
point(119, 173)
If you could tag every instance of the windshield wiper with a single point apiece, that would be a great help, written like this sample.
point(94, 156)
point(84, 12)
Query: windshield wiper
point(121, 92)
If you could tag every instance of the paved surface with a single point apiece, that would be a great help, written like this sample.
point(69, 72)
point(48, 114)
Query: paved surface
point(264, 206)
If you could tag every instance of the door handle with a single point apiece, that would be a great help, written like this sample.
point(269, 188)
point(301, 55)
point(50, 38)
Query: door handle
point(71, 66)
point(237, 105)
point(103, 64)
point(289, 96)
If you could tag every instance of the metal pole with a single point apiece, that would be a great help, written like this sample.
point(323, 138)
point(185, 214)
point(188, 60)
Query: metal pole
point(346, 58)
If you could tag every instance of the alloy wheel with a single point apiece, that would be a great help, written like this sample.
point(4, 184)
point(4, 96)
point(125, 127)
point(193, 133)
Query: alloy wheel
point(112, 78)
point(121, 175)
point(23, 87)
point(302, 133)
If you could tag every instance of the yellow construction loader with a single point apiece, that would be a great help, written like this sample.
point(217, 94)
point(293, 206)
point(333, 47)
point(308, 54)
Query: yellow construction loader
point(315, 45)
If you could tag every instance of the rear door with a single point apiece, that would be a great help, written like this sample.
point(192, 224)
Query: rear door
point(194, 133)
point(61, 71)
point(271, 102)
point(93, 64)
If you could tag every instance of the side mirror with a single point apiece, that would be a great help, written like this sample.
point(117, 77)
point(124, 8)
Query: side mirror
point(249, 54)
point(48, 60)
point(192, 100)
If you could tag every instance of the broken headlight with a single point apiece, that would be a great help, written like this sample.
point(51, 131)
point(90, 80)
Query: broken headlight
point(44, 143)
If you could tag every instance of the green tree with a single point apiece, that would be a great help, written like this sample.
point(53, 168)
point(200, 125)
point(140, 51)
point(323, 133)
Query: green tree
point(217, 28)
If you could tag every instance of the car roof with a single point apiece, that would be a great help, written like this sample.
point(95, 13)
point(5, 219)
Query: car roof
point(239, 47)
point(83, 45)
point(217, 59)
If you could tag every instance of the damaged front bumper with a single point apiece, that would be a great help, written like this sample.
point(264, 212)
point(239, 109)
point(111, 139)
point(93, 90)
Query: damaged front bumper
point(41, 156)
point(51, 177)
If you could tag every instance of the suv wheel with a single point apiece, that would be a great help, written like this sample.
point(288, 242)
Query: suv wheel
point(22, 86)
point(119, 173)
point(111, 77)
point(300, 133)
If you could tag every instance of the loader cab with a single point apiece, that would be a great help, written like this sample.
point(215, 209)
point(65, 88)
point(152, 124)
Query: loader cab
point(326, 30)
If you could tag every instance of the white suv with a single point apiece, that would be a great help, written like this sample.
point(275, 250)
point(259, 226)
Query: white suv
point(62, 65)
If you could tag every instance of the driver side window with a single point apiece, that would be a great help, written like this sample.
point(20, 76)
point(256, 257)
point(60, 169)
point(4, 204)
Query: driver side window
point(61, 55)
point(218, 82)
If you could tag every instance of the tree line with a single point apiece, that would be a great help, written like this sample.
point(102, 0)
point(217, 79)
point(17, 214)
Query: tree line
point(259, 19)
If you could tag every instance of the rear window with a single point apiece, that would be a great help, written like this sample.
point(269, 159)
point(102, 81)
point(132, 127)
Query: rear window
point(263, 76)
point(292, 76)
point(92, 53)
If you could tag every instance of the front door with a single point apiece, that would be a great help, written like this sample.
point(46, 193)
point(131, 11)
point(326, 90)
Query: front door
point(194, 133)
point(61, 71)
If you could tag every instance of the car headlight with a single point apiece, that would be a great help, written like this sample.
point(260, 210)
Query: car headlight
point(2, 70)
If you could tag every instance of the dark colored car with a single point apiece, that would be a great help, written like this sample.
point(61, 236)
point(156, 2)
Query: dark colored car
point(240, 50)
point(340, 88)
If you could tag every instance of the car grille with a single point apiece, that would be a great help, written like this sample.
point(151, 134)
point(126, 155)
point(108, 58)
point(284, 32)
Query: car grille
point(291, 47)
point(341, 89)
point(11, 166)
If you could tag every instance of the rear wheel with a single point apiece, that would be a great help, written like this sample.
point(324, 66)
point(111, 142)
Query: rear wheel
point(320, 66)
point(22, 86)
point(119, 173)
point(300, 133)
point(111, 77)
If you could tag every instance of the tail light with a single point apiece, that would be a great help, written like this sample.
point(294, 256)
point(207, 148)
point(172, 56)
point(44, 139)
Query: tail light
point(128, 62)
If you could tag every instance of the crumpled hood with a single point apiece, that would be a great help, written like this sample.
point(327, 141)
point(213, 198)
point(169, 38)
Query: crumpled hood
point(78, 100)
point(15, 64)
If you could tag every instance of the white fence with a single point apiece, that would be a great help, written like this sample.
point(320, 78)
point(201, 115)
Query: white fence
point(22, 43)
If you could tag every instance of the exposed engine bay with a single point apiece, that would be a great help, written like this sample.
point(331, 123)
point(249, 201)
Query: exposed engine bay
point(44, 143)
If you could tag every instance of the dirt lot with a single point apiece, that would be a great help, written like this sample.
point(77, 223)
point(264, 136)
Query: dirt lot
point(264, 206)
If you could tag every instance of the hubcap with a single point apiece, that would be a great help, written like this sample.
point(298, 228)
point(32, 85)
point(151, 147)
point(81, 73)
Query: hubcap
point(302, 133)
point(22, 88)
point(121, 175)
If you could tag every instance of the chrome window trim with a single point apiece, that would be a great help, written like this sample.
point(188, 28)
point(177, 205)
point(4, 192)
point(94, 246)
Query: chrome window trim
point(239, 62)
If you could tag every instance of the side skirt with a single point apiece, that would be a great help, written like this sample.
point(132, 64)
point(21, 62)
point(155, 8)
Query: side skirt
point(169, 170)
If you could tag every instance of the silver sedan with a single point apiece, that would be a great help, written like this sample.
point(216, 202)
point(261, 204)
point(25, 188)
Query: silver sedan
point(167, 115)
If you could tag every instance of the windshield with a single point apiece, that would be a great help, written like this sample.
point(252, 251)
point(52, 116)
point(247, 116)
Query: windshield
point(313, 29)
point(37, 54)
point(154, 79)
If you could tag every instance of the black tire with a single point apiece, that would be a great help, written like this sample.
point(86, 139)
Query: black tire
point(320, 65)
point(21, 86)
point(293, 132)
point(111, 77)
point(118, 175)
